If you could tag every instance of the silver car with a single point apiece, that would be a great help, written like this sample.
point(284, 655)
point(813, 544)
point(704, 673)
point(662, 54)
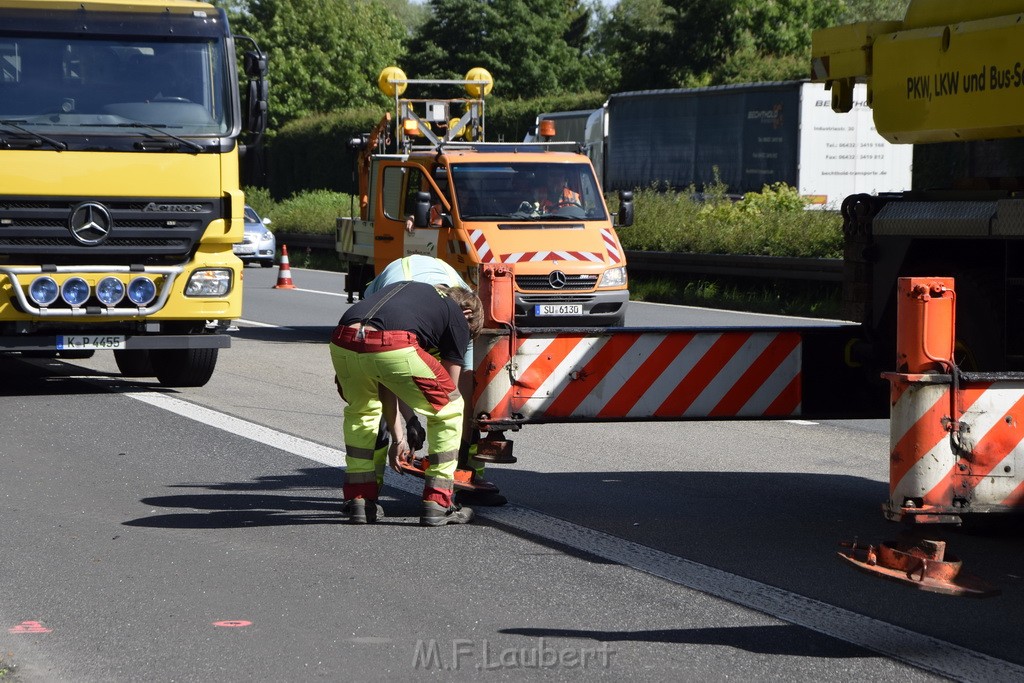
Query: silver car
point(259, 244)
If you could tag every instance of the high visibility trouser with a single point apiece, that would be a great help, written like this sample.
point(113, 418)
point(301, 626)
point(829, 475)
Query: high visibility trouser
point(395, 360)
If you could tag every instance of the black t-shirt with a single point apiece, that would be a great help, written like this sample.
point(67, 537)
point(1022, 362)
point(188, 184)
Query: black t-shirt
point(435, 319)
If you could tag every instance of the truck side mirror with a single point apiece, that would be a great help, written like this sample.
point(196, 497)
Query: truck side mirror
point(625, 209)
point(421, 213)
point(257, 95)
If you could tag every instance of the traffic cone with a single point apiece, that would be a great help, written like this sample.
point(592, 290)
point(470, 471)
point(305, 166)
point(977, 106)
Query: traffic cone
point(284, 275)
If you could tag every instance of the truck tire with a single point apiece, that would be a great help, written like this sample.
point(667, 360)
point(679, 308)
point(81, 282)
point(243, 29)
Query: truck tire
point(134, 363)
point(183, 367)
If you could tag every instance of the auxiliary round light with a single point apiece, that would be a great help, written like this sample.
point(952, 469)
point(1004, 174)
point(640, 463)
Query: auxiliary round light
point(483, 87)
point(43, 290)
point(391, 73)
point(75, 291)
point(141, 291)
point(110, 291)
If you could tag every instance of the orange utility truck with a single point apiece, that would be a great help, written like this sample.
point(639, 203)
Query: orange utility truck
point(431, 185)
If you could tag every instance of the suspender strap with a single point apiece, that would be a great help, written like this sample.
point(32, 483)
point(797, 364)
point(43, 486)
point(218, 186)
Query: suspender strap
point(373, 311)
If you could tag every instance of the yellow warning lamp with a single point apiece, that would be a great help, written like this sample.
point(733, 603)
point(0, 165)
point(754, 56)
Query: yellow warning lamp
point(412, 127)
point(479, 74)
point(547, 128)
point(462, 133)
point(391, 73)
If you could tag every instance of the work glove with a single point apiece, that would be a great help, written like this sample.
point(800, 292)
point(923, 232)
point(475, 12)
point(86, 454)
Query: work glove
point(415, 434)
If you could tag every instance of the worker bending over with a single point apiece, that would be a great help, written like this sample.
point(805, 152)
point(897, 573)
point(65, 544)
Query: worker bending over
point(381, 351)
point(434, 271)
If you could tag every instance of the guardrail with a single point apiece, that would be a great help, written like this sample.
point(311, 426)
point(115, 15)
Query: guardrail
point(672, 263)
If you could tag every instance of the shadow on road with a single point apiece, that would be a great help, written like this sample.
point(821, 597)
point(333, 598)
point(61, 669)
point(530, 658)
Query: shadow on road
point(782, 639)
point(313, 334)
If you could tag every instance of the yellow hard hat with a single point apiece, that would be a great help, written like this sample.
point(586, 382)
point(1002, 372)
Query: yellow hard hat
point(479, 74)
point(391, 73)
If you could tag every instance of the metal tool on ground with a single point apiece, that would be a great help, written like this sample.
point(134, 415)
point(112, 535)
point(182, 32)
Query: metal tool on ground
point(920, 563)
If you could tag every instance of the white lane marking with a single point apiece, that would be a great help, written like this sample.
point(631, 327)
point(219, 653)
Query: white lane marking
point(244, 428)
point(916, 649)
point(804, 423)
point(317, 291)
point(253, 323)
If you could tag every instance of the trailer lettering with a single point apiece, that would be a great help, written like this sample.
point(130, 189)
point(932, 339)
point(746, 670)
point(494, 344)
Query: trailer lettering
point(947, 83)
point(999, 78)
point(919, 88)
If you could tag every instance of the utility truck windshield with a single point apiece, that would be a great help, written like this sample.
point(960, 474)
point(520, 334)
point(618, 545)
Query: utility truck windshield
point(106, 85)
point(527, 192)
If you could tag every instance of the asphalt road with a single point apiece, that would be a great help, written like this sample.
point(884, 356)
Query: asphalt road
point(195, 535)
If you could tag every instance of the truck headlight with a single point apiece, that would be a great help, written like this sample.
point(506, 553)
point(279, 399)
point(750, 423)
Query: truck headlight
point(613, 277)
point(43, 290)
point(141, 291)
point(75, 291)
point(110, 291)
point(209, 282)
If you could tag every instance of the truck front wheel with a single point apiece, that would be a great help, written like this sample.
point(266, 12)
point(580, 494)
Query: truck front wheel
point(183, 367)
point(134, 363)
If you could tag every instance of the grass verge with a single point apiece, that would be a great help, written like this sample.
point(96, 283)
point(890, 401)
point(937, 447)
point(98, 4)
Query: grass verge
point(810, 300)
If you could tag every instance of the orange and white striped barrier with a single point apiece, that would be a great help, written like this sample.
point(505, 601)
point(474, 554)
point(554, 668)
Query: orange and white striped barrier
point(284, 274)
point(956, 439)
point(956, 447)
point(537, 376)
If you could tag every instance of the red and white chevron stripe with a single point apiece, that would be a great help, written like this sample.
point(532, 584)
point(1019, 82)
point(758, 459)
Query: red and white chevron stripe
point(623, 375)
point(611, 243)
point(524, 256)
point(979, 469)
point(483, 249)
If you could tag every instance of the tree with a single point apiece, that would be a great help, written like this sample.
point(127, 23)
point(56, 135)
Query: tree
point(530, 47)
point(637, 37)
point(324, 54)
point(875, 10)
point(705, 42)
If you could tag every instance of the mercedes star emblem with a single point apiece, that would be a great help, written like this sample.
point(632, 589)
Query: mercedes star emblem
point(557, 279)
point(90, 223)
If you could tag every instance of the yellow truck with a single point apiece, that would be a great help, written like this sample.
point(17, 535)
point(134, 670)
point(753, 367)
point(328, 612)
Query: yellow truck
point(120, 135)
point(439, 189)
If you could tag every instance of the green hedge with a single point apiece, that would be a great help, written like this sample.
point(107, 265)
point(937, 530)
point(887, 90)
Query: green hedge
point(772, 222)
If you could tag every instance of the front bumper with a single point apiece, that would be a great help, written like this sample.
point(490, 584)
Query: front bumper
point(600, 309)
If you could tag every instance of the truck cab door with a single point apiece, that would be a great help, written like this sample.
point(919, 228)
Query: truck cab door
point(401, 182)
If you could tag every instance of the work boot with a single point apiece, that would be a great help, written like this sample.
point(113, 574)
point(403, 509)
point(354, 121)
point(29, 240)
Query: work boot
point(435, 514)
point(362, 511)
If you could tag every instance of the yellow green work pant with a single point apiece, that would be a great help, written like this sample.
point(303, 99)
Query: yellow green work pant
point(365, 359)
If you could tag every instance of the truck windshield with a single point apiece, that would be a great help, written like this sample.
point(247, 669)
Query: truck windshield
point(527, 191)
point(98, 84)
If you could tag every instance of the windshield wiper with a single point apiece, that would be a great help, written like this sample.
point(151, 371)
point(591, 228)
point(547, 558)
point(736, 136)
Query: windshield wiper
point(159, 128)
point(36, 138)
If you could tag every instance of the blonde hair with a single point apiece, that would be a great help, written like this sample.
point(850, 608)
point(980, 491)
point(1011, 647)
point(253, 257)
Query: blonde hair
point(467, 301)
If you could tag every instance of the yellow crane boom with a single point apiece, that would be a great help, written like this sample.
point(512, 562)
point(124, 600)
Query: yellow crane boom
point(951, 70)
